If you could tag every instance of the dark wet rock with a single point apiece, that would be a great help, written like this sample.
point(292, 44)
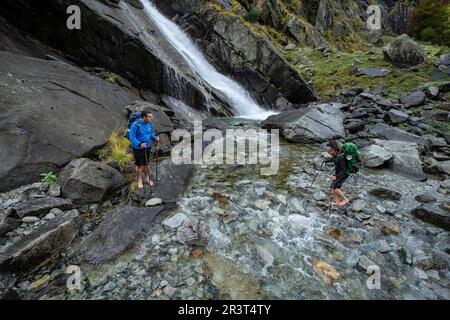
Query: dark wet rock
point(85, 181)
point(36, 93)
point(434, 214)
point(119, 231)
point(355, 125)
point(413, 99)
point(425, 198)
point(405, 158)
point(385, 193)
point(214, 123)
point(172, 180)
point(7, 224)
point(40, 246)
point(404, 52)
point(375, 156)
point(352, 92)
point(396, 116)
point(40, 206)
point(193, 232)
point(6, 288)
point(314, 124)
point(136, 3)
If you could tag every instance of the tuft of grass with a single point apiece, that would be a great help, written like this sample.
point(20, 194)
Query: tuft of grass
point(111, 77)
point(116, 149)
point(253, 16)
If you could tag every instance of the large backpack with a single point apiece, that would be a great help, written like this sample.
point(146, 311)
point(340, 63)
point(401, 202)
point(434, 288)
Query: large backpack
point(352, 157)
point(134, 116)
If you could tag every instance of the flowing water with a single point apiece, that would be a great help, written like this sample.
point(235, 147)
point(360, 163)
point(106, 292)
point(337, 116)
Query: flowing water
point(270, 236)
point(234, 93)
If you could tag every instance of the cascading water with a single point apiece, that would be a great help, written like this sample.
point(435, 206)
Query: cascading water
point(236, 95)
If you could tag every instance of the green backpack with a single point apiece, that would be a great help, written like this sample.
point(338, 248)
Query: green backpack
point(353, 157)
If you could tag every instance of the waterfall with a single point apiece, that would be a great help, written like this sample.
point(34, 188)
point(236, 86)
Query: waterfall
point(235, 94)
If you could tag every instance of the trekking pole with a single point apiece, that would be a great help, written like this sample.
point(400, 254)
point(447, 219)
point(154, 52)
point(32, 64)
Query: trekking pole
point(317, 174)
point(156, 164)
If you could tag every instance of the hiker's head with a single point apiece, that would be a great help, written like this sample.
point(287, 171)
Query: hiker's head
point(147, 116)
point(333, 144)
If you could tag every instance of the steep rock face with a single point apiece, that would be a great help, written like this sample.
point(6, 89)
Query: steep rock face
point(108, 39)
point(52, 113)
point(239, 52)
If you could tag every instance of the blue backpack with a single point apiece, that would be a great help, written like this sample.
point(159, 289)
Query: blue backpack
point(134, 116)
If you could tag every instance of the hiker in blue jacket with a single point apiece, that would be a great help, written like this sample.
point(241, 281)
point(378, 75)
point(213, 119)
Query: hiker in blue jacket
point(141, 135)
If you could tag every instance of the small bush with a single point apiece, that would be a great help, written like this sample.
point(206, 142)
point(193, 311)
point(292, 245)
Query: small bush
point(430, 21)
point(49, 178)
point(253, 16)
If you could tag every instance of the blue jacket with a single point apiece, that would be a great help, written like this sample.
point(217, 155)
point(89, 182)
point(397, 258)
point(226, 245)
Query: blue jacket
point(145, 134)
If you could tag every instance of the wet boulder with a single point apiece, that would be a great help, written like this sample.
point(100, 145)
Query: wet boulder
point(385, 193)
point(40, 246)
point(171, 181)
point(434, 214)
point(317, 123)
point(86, 181)
point(405, 158)
point(404, 52)
point(119, 231)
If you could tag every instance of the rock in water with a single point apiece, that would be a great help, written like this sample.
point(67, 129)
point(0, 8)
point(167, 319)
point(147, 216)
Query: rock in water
point(175, 221)
point(85, 181)
point(193, 232)
point(313, 124)
point(327, 272)
point(374, 156)
point(434, 214)
point(404, 52)
point(118, 231)
point(40, 246)
point(385, 193)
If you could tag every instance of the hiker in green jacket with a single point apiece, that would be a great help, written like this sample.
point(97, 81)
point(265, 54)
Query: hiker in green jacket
point(341, 173)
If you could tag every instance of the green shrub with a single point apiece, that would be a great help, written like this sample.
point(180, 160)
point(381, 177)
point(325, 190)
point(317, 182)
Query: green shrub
point(116, 150)
point(430, 21)
point(49, 178)
point(253, 16)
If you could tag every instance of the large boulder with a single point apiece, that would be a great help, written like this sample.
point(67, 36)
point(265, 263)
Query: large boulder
point(119, 231)
point(40, 246)
point(374, 156)
point(52, 113)
point(313, 124)
point(85, 181)
point(40, 206)
point(381, 130)
point(433, 213)
point(405, 158)
point(172, 181)
point(404, 52)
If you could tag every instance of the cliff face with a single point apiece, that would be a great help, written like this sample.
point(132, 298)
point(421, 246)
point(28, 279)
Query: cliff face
point(315, 23)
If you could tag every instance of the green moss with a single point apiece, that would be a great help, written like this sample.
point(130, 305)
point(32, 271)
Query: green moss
point(328, 71)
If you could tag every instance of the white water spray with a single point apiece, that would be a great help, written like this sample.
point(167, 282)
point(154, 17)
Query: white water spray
point(236, 95)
